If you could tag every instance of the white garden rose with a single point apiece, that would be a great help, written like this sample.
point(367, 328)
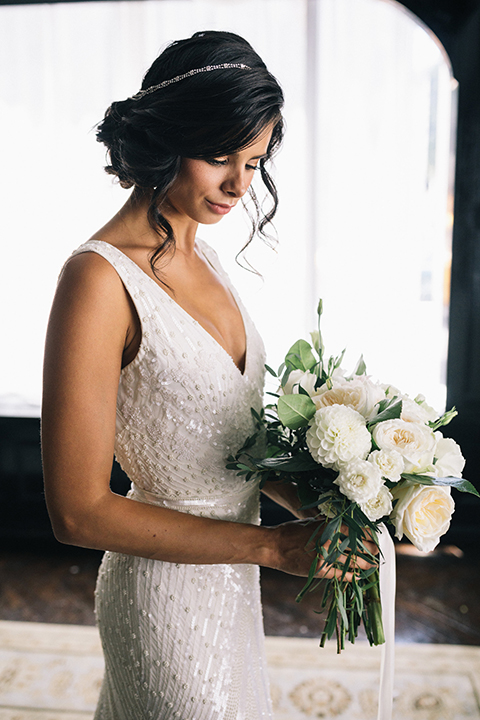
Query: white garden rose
point(360, 393)
point(379, 506)
point(359, 480)
point(298, 377)
point(390, 462)
point(414, 441)
point(449, 458)
point(422, 513)
point(390, 391)
point(430, 412)
point(413, 411)
point(338, 435)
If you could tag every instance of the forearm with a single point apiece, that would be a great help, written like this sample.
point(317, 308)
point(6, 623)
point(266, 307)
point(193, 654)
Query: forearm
point(123, 525)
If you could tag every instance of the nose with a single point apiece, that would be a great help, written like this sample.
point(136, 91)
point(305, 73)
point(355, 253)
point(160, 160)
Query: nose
point(236, 184)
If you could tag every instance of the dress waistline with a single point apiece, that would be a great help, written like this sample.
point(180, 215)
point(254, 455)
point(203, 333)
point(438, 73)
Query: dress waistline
point(224, 501)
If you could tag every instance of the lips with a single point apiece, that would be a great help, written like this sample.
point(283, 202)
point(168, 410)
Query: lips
point(219, 208)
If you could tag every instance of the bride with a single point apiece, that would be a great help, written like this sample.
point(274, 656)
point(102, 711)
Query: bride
point(151, 355)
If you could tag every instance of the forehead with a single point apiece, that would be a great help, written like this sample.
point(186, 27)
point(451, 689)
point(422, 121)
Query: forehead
point(259, 146)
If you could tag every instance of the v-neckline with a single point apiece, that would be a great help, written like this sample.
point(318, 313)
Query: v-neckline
point(187, 314)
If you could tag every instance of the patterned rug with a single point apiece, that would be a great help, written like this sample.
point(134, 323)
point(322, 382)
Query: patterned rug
point(53, 672)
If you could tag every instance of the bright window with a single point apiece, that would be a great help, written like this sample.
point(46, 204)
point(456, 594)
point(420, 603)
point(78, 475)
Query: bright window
point(363, 176)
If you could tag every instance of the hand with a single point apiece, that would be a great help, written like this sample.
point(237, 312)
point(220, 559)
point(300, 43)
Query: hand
point(295, 552)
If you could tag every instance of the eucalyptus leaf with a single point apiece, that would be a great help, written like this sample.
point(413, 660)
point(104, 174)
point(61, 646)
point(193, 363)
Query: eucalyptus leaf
point(295, 411)
point(295, 463)
point(330, 529)
point(392, 412)
point(300, 356)
point(459, 483)
point(269, 369)
point(341, 607)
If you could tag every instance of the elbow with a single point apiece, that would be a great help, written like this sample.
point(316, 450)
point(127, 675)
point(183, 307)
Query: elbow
point(70, 530)
point(66, 531)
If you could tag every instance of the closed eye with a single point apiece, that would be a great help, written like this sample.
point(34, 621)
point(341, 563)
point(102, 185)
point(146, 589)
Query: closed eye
point(215, 161)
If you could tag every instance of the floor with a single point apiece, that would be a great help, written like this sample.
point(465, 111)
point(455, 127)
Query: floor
point(438, 595)
point(51, 664)
point(54, 672)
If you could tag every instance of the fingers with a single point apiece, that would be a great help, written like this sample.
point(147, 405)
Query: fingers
point(333, 572)
point(354, 564)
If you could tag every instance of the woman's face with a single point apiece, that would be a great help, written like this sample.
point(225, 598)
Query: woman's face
point(206, 190)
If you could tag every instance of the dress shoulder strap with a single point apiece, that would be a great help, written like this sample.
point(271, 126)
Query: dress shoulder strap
point(147, 297)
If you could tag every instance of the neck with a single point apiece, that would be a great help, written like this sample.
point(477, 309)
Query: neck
point(134, 216)
point(130, 227)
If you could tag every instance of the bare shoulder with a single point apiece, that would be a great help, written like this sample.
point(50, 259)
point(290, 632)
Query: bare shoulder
point(91, 270)
point(91, 306)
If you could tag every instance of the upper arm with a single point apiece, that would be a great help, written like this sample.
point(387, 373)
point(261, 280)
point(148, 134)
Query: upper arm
point(87, 331)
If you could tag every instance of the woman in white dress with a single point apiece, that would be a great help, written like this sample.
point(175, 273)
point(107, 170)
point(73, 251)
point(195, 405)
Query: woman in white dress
point(150, 355)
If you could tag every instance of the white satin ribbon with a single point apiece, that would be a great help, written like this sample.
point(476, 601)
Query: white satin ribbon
point(387, 598)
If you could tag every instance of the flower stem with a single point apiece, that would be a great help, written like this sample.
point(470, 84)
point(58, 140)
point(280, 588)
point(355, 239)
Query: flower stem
point(374, 612)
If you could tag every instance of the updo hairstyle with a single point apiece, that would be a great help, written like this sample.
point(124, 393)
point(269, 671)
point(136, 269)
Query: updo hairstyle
point(203, 116)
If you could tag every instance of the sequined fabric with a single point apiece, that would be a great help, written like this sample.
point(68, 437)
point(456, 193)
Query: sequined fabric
point(182, 642)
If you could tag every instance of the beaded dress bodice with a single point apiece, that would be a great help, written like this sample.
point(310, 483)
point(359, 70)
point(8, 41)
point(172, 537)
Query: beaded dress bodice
point(182, 641)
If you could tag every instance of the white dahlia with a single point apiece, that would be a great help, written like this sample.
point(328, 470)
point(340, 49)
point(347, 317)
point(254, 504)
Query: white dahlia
point(360, 481)
point(338, 435)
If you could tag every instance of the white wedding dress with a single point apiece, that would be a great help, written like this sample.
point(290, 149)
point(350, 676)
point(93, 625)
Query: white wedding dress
point(182, 642)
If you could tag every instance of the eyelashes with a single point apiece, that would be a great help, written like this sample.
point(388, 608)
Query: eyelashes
point(218, 163)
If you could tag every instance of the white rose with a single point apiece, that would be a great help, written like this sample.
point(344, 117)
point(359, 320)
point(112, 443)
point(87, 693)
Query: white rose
point(415, 442)
point(390, 391)
point(359, 480)
point(449, 458)
point(422, 513)
point(431, 413)
point(390, 462)
point(412, 411)
point(337, 435)
point(298, 377)
point(379, 506)
point(359, 393)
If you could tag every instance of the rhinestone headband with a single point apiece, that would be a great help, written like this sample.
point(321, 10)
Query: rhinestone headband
point(195, 71)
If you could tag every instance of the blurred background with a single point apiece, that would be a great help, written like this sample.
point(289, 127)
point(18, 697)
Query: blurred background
point(378, 182)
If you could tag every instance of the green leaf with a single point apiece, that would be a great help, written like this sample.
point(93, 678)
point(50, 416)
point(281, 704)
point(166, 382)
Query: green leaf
point(360, 367)
point(338, 360)
point(311, 576)
point(341, 606)
point(269, 369)
point(443, 419)
point(293, 463)
point(307, 496)
point(330, 529)
point(295, 411)
point(392, 412)
point(300, 356)
point(459, 483)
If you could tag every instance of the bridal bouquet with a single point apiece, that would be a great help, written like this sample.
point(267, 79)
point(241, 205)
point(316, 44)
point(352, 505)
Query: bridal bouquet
point(359, 452)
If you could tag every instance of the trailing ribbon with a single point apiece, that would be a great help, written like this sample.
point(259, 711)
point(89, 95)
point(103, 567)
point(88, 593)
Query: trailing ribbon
point(387, 598)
